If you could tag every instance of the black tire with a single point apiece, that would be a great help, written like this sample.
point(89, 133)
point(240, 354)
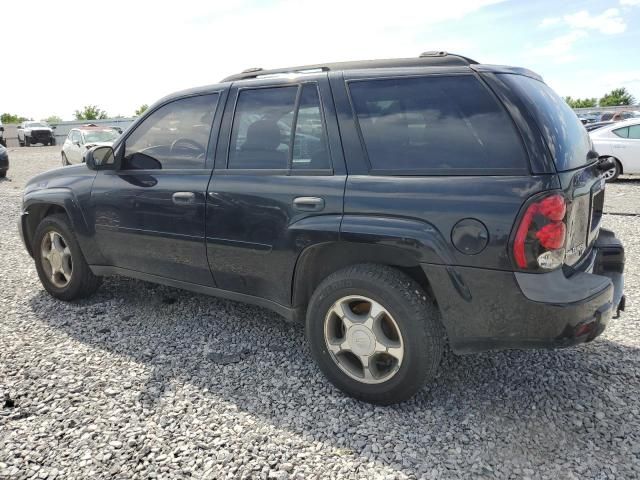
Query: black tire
point(414, 313)
point(3, 142)
point(52, 141)
point(616, 171)
point(65, 161)
point(21, 144)
point(3, 174)
point(27, 141)
point(83, 282)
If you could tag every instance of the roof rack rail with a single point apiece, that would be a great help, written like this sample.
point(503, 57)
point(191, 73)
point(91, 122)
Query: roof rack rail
point(429, 58)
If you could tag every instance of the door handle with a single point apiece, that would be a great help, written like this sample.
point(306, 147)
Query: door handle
point(183, 198)
point(308, 204)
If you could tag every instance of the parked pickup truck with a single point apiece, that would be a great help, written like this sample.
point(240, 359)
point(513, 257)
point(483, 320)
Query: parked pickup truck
point(30, 133)
point(394, 206)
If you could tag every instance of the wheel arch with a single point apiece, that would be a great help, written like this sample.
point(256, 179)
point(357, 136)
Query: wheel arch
point(319, 261)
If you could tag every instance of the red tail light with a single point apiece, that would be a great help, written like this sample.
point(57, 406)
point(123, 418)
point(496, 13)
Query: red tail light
point(541, 234)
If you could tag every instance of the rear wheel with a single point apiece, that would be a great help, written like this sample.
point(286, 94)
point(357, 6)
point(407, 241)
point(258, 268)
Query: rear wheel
point(374, 333)
point(65, 162)
point(613, 174)
point(61, 266)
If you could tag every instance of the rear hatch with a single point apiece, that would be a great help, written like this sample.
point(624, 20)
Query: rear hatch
point(574, 158)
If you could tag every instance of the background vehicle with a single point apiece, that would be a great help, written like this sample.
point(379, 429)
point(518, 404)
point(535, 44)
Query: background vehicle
point(79, 140)
point(594, 126)
point(616, 116)
point(393, 205)
point(4, 161)
point(620, 142)
point(30, 133)
point(3, 141)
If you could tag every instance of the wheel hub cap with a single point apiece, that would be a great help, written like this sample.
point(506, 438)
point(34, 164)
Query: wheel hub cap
point(361, 339)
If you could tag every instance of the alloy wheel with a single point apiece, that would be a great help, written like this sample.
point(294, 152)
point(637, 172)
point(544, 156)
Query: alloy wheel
point(56, 259)
point(363, 339)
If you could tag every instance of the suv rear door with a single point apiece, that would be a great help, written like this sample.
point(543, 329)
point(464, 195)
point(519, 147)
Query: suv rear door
point(277, 186)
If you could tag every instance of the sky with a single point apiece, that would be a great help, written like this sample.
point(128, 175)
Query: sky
point(58, 56)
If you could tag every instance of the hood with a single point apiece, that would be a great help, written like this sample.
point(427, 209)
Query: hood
point(46, 129)
point(59, 177)
point(98, 144)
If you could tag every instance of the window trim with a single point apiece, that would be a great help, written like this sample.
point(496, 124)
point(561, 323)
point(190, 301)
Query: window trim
point(121, 145)
point(460, 172)
point(289, 171)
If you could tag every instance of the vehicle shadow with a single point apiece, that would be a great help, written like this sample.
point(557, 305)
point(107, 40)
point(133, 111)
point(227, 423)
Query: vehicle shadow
point(470, 414)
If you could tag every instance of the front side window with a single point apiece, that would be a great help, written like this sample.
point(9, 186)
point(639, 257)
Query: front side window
point(261, 137)
point(174, 137)
point(75, 136)
point(435, 124)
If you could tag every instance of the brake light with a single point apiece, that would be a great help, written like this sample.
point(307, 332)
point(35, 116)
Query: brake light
point(541, 234)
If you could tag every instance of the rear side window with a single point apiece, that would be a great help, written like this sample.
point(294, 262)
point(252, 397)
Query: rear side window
point(622, 132)
point(565, 135)
point(438, 124)
point(634, 131)
point(279, 128)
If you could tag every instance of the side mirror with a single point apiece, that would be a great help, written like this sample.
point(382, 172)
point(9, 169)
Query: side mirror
point(53, 128)
point(100, 158)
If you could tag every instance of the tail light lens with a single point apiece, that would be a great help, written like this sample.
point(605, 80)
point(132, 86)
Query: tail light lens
point(541, 234)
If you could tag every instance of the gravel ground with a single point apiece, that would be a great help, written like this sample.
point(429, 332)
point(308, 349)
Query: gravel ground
point(144, 381)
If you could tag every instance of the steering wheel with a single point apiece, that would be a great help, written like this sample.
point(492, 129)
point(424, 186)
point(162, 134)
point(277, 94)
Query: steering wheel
point(187, 142)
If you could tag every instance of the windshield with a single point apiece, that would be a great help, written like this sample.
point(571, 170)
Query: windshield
point(565, 135)
point(37, 124)
point(107, 135)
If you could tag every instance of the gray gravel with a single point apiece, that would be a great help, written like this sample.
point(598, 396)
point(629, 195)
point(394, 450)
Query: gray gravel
point(143, 381)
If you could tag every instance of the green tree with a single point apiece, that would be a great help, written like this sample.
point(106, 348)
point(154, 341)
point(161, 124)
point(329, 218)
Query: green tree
point(90, 112)
point(581, 102)
point(11, 118)
point(142, 109)
point(617, 96)
point(52, 119)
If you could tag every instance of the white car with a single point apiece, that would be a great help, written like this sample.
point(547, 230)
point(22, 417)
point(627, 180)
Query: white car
point(621, 142)
point(82, 139)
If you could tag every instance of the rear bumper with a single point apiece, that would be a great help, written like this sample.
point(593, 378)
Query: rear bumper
point(494, 310)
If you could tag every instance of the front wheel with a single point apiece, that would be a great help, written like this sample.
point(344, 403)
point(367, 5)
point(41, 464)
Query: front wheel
point(375, 333)
point(27, 141)
point(61, 266)
point(65, 162)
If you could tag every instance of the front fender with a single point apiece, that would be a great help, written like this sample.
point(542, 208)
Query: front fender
point(39, 203)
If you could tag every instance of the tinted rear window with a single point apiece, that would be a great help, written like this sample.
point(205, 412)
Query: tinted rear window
point(438, 124)
point(565, 135)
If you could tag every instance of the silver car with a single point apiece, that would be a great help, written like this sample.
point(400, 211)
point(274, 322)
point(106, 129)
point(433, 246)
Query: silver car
point(82, 139)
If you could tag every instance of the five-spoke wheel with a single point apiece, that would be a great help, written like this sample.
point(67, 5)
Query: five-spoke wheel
point(364, 339)
point(56, 256)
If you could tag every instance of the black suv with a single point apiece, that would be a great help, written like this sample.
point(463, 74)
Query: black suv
point(396, 206)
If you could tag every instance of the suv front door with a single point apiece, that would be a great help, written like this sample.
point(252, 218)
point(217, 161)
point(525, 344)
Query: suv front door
point(278, 184)
point(150, 214)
